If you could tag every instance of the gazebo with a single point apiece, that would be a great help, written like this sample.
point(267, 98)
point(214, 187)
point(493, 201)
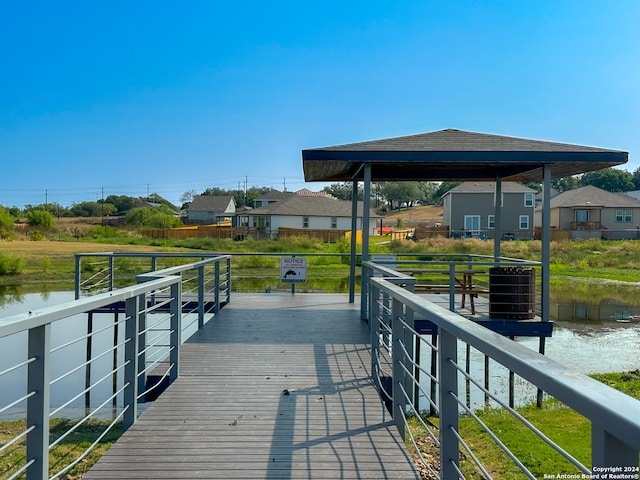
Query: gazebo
point(456, 155)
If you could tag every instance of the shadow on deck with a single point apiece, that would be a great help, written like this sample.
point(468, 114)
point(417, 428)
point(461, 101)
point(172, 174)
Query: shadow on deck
point(277, 386)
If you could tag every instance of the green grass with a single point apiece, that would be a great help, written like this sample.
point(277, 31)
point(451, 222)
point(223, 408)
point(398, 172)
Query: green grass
point(561, 424)
point(63, 454)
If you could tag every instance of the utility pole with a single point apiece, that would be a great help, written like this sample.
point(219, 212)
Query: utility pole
point(284, 184)
point(102, 207)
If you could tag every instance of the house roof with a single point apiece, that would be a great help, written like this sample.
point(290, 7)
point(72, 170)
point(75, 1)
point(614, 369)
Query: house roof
point(455, 155)
point(489, 187)
point(209, 203)
point(591, 196)
point(305, 192)
point(310, 206)
point(274, 195)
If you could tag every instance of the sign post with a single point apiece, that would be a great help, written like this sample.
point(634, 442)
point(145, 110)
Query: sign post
point(293, 270)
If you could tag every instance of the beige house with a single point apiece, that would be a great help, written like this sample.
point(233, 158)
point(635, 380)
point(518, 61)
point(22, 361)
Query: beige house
point(590, 212)
point(300, 214)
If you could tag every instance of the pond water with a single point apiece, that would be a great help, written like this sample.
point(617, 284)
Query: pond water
point(597, 330)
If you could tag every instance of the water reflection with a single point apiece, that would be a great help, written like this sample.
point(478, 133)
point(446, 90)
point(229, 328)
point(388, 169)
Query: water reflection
point(603, 304)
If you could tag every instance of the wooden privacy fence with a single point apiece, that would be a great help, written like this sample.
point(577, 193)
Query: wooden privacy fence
point(200, 231)
point(328, 236)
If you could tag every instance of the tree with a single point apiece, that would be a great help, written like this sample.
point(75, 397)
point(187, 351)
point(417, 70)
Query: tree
point(123, 203)
point(609, 179)
point(54, 209)
point(636, 178)
point(93, 209)
point(152, 217)
point(442, 189)
point(186, 198)
point(40, 218)
point(565, 183)
point(400, 192)
point(6, 219)
point(428, 192)
point(155, 198)
point(342, 191)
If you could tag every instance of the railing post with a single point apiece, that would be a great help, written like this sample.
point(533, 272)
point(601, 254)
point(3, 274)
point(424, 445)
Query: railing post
point(365, 291)
point(216, 287)
point(201, 282)
point(374, 328)
point(452, 287)
point(609, 451)
point(175, 327)
point(76, 281)
point(132, 311)
point(449, 451)
point(111, 273)
point(397, 356)
point(228, 279)
point(142, 342)
point(38, 373)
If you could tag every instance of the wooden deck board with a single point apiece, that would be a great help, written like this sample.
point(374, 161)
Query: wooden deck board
point(276, 387)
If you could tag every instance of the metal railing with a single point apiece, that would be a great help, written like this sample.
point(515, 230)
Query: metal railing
point(66, 366)
point(397, 370)
point(511, 288)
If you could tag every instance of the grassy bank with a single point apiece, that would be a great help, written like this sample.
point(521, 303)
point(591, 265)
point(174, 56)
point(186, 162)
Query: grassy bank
point(63, 454)
point(562, 425)
point(51, 263)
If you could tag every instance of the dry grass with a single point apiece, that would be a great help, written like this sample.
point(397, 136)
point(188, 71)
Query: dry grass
point(416, 214)
point(46, 248)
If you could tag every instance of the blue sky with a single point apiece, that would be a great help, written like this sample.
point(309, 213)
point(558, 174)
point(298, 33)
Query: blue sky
point(125, 98)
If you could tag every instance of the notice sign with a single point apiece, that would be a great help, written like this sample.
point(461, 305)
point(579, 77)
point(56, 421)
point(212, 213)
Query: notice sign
point(293, 270)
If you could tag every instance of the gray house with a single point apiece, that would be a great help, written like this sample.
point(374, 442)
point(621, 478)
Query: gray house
point(469, 210)
point(271, 197)
point(590, 212)
point(211, 209)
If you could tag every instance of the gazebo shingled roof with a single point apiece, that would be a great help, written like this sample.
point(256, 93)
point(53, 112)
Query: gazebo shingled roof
point(455, 155)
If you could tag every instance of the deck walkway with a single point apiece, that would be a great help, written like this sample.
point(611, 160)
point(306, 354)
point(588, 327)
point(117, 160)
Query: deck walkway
point(276, 387)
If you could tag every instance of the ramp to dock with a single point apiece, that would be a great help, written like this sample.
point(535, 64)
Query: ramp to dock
point(277, 386)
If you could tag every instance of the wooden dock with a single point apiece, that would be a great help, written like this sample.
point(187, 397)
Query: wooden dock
point(278, 386)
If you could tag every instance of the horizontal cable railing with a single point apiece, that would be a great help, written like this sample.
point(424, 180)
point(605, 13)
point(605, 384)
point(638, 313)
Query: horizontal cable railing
point(83, 367)
point(393, 310)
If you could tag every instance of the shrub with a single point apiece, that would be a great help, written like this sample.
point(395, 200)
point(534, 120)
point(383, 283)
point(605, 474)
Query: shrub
point(6, 234)
point(104, 232)
point(40, 218)
point(6, 219)
point(10, 264)
point(35, 236)
point(152, 217)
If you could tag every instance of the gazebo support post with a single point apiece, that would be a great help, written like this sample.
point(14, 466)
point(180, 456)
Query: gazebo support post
point(497, 218)
point(366, 204)
point(354, 231)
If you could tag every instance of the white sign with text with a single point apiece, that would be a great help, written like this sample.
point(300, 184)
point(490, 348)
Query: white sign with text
point(293, 270)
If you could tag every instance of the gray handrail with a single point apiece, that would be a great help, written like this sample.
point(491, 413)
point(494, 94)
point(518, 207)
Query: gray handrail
point(615, 417)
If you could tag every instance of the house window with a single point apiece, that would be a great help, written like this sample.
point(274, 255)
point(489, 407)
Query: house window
point(624, 216)
point(524, 222)
point(305, 222)
point(334, 222)
point(472, 222)
point(491, 222)
point(528, 199)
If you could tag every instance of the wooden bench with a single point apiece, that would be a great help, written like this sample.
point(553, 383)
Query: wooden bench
point(472, 290)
